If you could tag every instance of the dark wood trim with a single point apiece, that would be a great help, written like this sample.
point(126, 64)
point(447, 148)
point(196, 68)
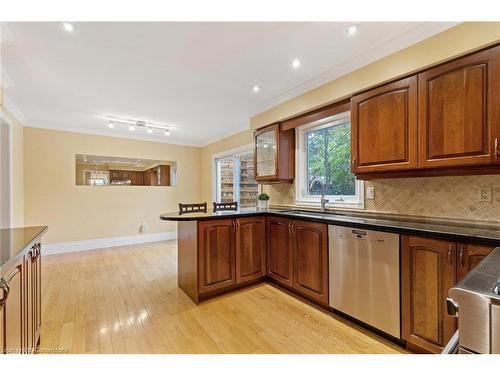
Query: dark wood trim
point(316, 115)
point(431, 172)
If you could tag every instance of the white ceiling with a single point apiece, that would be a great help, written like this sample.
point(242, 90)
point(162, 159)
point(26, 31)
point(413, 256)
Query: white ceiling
point(196, 77)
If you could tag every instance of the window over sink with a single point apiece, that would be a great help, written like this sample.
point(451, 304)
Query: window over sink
point(324, 164)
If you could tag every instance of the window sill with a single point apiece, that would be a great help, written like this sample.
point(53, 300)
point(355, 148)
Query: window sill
point(316, 204)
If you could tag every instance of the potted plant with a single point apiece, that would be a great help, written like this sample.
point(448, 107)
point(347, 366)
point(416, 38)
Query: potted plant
point(263, 200)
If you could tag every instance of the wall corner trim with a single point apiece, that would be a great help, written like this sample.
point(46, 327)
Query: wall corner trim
point(101, 243)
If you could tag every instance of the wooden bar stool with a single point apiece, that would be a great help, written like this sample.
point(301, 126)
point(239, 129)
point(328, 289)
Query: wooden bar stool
point(226, 206)
point(192, 207)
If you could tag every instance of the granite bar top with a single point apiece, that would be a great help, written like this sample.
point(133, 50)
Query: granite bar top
point(448, 230)
point(14, 240)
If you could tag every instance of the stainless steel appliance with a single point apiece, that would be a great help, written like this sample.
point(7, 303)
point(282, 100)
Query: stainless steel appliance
point(364, 276)
point(476, 302)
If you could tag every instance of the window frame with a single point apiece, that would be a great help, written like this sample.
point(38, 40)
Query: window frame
point(356, 201)
point(233, 153)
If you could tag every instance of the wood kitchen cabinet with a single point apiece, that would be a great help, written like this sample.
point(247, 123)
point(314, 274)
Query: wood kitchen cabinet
point(443, 121)
point(12, 310)
point(216, 255)
point(279, 250)
point(297, 256)
point(250, 248)
point(459, 119)
point(384, 127)
point(310, 259)
point(274, 154)
point(469, 256)
point(430, 267)
point(221, 254)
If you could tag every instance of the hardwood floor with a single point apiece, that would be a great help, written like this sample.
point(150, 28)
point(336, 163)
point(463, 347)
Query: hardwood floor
point(126, 300)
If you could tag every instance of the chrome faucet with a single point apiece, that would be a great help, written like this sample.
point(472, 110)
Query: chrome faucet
point(324, 201)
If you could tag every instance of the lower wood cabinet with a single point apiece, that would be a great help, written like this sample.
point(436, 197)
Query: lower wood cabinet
point(12, 312)
point(216, 258)
point(430, 267)
point(250, 248)
point(279, 250)
point(469, 256)
point(230, 252)
point(298, 256)
point(310, 258)
point(20, 304)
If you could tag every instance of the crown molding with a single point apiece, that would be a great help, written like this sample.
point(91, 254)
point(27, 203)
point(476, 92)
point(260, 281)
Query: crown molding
point(376, 52)
point(12, 110)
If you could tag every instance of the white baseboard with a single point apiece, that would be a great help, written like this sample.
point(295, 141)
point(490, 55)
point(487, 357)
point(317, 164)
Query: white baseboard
point(69, 247)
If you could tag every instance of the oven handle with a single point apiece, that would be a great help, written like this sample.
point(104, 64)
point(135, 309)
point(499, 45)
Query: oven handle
point(452, 346)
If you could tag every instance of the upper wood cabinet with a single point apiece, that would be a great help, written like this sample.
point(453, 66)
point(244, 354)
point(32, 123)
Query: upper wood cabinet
point(384, 127)
point(310, 254)
point(434, 123)
point(250, 248)
point(274, 154)
point(216, 247)
point(459, 118)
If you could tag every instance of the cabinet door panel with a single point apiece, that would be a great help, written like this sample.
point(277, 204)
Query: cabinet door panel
point(310, 243)
point(428, 272)
point(250, 249)
point(384, 127)
point(469, 256)
point(457, 103)
point(216, 255)
point(13, 312)
point(279, 250)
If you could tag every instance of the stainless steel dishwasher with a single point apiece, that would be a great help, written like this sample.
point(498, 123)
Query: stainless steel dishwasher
point(364, 276)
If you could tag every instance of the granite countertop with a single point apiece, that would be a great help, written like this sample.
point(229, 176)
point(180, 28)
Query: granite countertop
point(445, 230)
point(14, 240)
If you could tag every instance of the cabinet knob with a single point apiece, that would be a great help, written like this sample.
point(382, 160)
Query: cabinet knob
point(461, 256)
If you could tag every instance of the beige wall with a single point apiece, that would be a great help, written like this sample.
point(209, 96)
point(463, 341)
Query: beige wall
point(445, 197)
point(84, 212)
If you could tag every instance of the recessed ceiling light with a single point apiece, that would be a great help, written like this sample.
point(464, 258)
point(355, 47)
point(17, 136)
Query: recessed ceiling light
point(131, 128)
point(111, 125)
point(296, 63)
point(256, 89)
point(167, 132)
point(68, 27)
point(150, 130)
point(353, 29)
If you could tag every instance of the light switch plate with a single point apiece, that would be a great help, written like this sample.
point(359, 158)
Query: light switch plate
point(483, 194)
point(370, 192)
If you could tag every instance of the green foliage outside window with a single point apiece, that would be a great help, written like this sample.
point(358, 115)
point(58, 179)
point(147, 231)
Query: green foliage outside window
point(328, 157)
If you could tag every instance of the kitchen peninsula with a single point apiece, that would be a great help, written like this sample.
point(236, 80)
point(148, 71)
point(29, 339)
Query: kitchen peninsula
point(20, 288)
point(223, 251)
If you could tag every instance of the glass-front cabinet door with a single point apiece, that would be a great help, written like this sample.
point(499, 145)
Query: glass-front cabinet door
point(266, 157)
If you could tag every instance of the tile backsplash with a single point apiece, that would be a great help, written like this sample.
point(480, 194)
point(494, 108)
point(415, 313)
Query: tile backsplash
point(437, 197)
